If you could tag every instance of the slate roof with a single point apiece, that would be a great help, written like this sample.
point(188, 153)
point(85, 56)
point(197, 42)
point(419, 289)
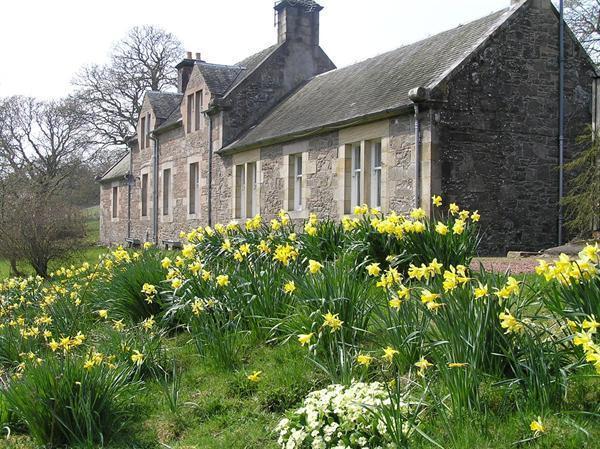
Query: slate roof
point(164, 103)
point(251, 63)
point(373, 86)
point(118, 170)
point(220, 79)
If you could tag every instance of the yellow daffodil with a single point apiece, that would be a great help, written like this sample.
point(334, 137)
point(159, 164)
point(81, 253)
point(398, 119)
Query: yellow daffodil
point(457, 365)
point(480, 291)
point(166, 263)
point(373, 269)
point(427, 296)
point(536, 426)
point(453, 208)
point(149, 289)
point(103, 314)
point(364, 359)
point(305, 339)
point(222, 280)
point(289, 287)
point(389, 353)
point(458, 227)
point(441, 228)
point(188, 251)
point(510, 323)
point(417, 214)
point(423, 364)
point(137, 357)
point(395, 303)
point(436, 200)
point(255, 376)
point(475, 216)
point(314, 266)
point(332, 321)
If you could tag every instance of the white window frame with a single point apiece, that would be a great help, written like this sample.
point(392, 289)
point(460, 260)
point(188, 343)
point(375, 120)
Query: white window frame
point(355, 175)
point(298, 168)
point(376, 185)
point(167, 192)
point(114, 202)
point(246, 190)
point(146, 194)
point(193, 189)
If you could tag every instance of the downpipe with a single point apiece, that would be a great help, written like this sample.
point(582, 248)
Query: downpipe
point(418, 96)
point(155, 153)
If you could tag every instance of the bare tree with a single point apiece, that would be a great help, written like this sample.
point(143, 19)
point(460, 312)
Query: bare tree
point(46, 141)
point(583, 16)
point(144, 60)
point(41, 145)
point(35, 225)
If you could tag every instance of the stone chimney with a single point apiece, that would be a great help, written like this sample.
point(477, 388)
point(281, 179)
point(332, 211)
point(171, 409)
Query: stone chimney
point(298, 21)
point(184, 70)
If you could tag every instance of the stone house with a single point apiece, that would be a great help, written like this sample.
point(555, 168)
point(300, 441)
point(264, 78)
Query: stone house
point(470, 114)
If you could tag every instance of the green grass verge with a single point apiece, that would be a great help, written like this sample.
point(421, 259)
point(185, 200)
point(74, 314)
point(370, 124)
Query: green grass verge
point(224, 410)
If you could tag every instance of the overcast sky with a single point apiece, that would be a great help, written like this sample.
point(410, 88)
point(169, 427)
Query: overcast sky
point(43, 43)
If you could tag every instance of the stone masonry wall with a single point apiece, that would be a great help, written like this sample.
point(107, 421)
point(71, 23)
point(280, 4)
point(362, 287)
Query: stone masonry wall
point(113, 230)
point(291, 64)
point(498, 130)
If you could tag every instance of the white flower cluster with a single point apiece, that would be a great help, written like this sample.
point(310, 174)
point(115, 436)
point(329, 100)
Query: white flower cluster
point(336, 418)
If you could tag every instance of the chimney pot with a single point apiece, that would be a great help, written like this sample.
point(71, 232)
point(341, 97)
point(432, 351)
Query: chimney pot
point(188, 55)
point(198, 56)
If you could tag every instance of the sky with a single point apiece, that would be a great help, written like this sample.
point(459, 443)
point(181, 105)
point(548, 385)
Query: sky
point(44, 43)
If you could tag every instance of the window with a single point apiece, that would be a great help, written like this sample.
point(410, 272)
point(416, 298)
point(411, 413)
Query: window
point(145, 195)
point(295, 182)
point(143, 133)
point(376, 174)
point(115, 199)
point(240, 191)
point(190, 112)
point(197, 110)
point(148, 129)
point(363, 179)
point(166, 191)
point(246, 190)
point(194, 188)
point(356, 189)
point(251, 188)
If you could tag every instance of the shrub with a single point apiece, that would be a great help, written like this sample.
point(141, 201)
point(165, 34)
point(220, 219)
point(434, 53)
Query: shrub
point(336, 417)
point(66, 404)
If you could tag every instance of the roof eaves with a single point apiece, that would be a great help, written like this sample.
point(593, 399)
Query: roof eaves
point(168, 126)
point(333, 126)
point(103, 177)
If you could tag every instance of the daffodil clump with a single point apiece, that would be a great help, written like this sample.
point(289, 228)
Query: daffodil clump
point(568, 271)
point(336, 417)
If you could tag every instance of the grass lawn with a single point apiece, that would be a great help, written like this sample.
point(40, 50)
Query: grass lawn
point(219, 409)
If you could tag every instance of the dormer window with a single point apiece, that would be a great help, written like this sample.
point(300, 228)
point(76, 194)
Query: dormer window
point(194, 111)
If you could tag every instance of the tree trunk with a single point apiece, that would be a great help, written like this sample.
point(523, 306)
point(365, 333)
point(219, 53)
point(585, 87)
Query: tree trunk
point(14, 270)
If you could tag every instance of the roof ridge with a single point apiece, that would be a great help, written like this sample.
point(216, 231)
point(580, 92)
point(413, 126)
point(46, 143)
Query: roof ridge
point(504, 10)
point(234, 66)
